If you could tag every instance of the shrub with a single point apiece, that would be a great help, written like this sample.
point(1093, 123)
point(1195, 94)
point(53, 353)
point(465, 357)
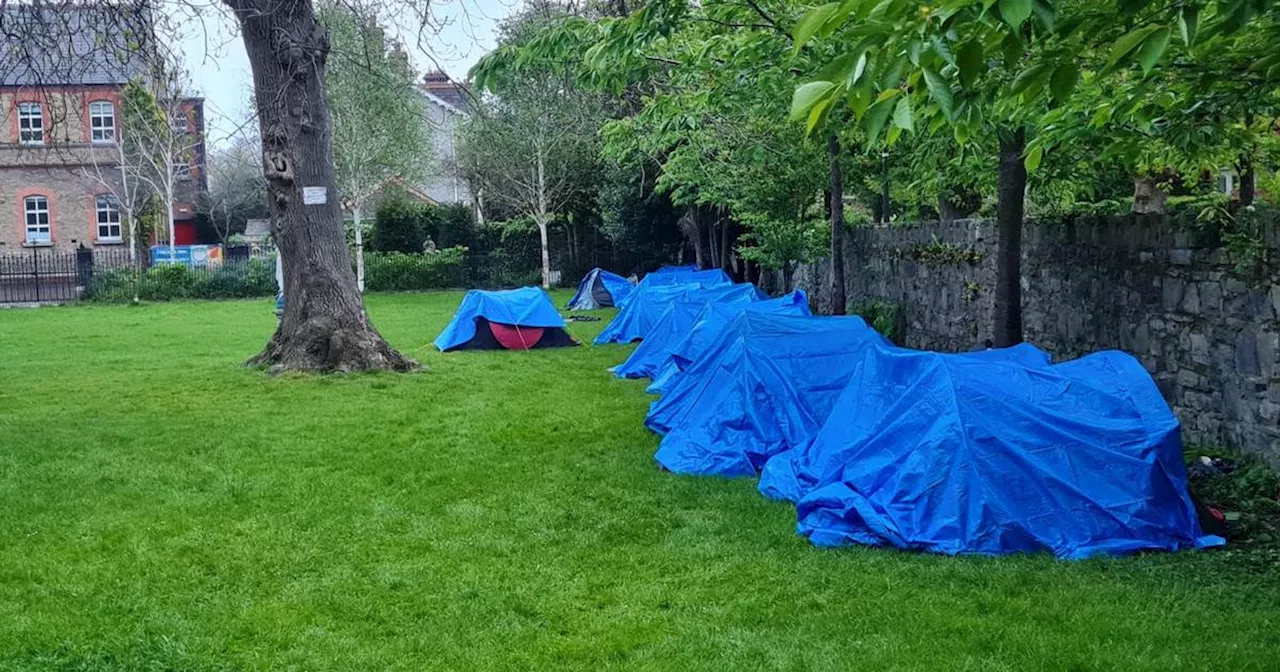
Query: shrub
point(886, 317)
point(172, 281)
point(403, 225)
point(398, 272)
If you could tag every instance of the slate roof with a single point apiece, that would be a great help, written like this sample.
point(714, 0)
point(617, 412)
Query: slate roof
point(69, 43)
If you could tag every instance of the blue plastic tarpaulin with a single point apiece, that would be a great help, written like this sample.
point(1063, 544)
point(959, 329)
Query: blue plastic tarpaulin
point(524, 307)
point(789, 475)
point(647, 305)
point(982, 456)
point(600, 289)
point(682, 319)
point(707, 328)
point(679, 275)
point(765, 386)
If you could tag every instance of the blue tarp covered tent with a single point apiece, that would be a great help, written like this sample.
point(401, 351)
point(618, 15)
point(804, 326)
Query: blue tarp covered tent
point(647, 305)
point(684, 317)
point(513, 319)
point(978, 456)
point(679, 275)
point(707, 328)
point(765, 386)
point(789, 475)
point(600, 289)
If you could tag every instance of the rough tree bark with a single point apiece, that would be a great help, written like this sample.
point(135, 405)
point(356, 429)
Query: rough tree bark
point(324, 327)
point(836, 207)
point(691, 226)
point(1248, 180)
point(1007, 310)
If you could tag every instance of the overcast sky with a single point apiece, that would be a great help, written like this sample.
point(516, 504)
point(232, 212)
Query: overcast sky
point(214, 55)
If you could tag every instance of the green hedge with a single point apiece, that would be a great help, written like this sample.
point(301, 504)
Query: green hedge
point(400, 272)
point(257, 277)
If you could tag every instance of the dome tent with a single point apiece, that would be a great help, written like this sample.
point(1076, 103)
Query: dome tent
point(647, 305)
point(707, 328)
point(766, 385)
point(690, 316)
point(792, 473)
point(513, 319)
point(963, 455)
point(600, 289)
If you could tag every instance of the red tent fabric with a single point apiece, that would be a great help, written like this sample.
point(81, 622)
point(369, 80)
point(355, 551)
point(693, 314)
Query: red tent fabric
point(513, 337)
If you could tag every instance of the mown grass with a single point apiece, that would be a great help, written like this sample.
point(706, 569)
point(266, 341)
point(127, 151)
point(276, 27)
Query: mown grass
point(164, 508)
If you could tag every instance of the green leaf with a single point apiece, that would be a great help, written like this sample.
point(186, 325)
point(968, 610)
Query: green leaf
point(1027, 77)
point(876, 118)
point(1101, 116)
point(1033, 159)
point(1153, 48)
point(806, 96)
point(1046, 14)
point(969, 62)
point(1011, 48)
point(902, 114)
point(1128, 43)
point(1015, 12)
point(1188, 23)
point(811, 23)
point(858, 69)
point(817, 115)
point(887, 94)
point(1063, 81)
point(940, 90)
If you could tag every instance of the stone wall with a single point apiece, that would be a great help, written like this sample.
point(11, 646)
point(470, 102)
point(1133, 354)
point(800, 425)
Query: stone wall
point(1169, 296)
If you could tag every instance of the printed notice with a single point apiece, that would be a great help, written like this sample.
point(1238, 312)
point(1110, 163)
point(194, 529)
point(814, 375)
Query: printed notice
point(314, 195)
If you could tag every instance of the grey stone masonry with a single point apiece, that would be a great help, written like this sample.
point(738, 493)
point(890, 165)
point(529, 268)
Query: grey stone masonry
point(1169, 296)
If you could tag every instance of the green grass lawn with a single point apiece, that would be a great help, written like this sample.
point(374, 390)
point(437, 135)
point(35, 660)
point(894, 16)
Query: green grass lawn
point(163, 508)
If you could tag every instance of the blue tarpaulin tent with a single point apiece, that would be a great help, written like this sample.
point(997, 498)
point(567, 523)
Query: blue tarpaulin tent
point(684, 317)
point(706, 329)
point(679, 275)
point(646, 306)
point(513, 319)
point(980, 456)
point(765, 386)
point(600, 289)
point(792, 473)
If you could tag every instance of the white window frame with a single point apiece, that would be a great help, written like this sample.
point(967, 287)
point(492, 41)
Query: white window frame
point(30, 124)
point(33, 207)
point(180, 124)
point(107, 208)
point(102, 122)
point(181, 171)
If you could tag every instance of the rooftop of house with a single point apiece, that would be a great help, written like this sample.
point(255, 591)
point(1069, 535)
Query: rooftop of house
point(450, 92)
point(63, 43)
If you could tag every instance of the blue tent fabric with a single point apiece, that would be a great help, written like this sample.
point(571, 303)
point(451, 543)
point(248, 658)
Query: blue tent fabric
point(682, 318)
point(679, 275)
point(616, 286)
point(765, 386)
point(791, 474)
point(653, 350)
point(708, 327)
point(972, 455)
point(648, 304)
point(524, 307)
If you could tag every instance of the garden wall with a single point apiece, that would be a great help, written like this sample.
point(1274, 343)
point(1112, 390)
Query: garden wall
point(1206, 331)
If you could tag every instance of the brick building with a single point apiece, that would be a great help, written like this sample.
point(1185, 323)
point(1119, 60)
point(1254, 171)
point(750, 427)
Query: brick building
point(60, 122)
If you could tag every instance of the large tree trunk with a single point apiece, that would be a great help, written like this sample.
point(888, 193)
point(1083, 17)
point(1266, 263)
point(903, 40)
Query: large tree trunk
point(726, 258)
point(836, 207)
point(1248, 180)
point(1007, 329)
point(324, 327)
point(691, 226)
point(1148, 197)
